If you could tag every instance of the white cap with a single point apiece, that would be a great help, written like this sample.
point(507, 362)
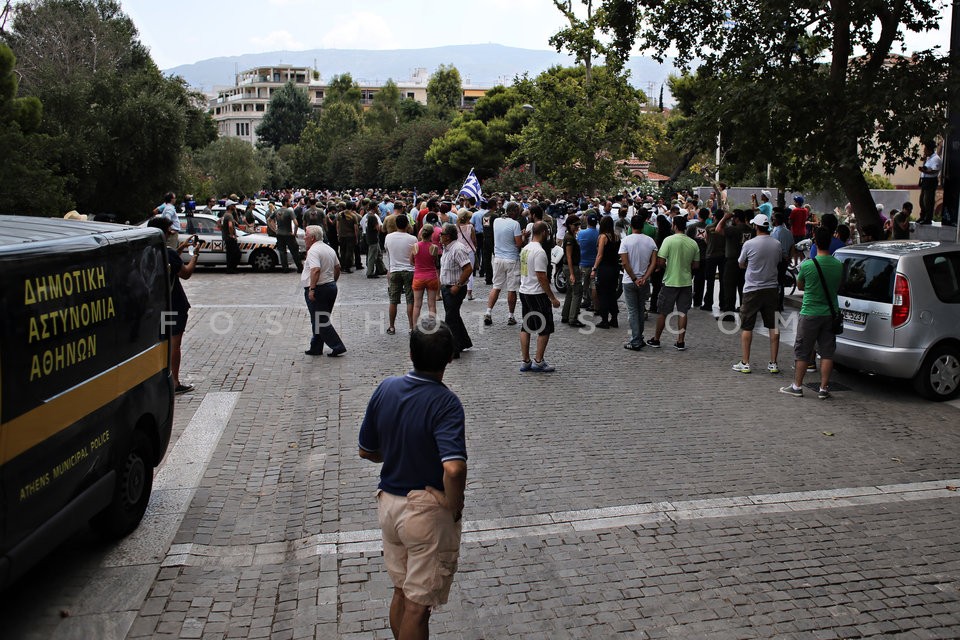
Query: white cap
point(760, 220)
point(229, 203)
point(765, 193)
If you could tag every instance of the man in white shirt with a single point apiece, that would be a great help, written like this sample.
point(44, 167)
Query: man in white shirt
point(321, 270)
point(638, 255)
point(507, 240)
point(399, 245)
point(760, 257)
point(536, 300)
point(456, 266)
point(929, 172)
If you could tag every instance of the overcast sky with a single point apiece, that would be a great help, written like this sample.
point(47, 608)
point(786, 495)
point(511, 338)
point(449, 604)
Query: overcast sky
point(184, 31)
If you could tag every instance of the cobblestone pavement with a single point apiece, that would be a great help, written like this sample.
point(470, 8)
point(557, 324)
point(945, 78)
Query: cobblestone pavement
point(636, 495)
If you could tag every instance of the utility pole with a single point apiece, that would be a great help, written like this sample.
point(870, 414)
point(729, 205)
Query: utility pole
point(951, 138)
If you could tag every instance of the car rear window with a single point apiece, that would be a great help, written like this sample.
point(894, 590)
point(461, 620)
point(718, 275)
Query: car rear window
point(944, 272)
point(868, 278)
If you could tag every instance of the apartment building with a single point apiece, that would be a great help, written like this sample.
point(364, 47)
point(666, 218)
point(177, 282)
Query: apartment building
point(238, 110)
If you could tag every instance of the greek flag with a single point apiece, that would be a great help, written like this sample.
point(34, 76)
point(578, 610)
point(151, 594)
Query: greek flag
point(471, 187)
point(636, 193)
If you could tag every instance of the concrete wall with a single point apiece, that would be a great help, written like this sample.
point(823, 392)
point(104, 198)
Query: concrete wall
point(818, 202)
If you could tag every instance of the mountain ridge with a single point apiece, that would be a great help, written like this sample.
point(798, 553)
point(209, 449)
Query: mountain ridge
point(480, 65)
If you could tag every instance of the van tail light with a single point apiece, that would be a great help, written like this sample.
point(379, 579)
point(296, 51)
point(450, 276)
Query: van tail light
point(901, 302)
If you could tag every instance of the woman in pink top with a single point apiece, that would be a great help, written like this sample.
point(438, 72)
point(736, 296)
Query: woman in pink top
point(425, 276)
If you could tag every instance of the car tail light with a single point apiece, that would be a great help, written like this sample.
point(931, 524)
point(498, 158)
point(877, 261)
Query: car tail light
point(901, 302)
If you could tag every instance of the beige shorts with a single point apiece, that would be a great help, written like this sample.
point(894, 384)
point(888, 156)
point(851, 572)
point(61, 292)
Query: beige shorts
point(506, 274)
point(421, 544)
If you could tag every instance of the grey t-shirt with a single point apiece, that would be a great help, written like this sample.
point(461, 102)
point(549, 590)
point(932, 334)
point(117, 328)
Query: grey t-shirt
point(285, 218)
point(762, 255)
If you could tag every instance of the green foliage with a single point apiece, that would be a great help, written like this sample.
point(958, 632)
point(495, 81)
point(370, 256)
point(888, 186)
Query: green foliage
point(232, 165)
point(815, 90)
point(343, 89)
point(403, 163)
point(444, 91)
point(338, 122)
point(287, 115)
point(276, 168)
point(875, 181)
point(481, 140)
point(578, 130)
point(384, 113)
point(123, 147)
point(410, 110)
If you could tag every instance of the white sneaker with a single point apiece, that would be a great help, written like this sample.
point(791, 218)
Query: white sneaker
point(742, 367)
point(773, 368)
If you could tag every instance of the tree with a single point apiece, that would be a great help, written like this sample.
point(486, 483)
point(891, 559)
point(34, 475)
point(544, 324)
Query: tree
point(99, 87)
point(403, 163)
point(444, 91)
point(25, 170)
point(343, 89)
point(481, 140)
point(819, 87)
point(410, 110)
point(287, 115)
point(577, 130)
point(384, 114)
point(233, 166)
point(338, 121)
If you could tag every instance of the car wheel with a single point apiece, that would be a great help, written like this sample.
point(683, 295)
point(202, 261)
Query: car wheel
point(939, 375)
point(263, 260)
point(134, 469)
point(559, 280)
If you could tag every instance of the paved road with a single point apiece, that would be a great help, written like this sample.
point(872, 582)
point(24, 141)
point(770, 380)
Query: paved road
point(636, 495)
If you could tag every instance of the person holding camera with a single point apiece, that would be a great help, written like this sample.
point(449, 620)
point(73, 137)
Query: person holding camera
point(179, 305)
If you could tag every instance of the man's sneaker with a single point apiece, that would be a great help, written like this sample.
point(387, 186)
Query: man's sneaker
point(790, 391)
point(542, 367)
point(487, 320)
point(653, 342)
point(773, 368)
point(511, 321)
point(742, 367)
point(526, 365)
point(680, 346)
point(812, 366)
point(634, 347)
point(823, 394)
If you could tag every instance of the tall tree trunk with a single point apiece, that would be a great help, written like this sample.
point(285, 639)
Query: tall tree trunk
point(682, 165)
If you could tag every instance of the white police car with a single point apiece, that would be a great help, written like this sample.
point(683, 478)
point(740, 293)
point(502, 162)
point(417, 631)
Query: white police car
point(257, 250)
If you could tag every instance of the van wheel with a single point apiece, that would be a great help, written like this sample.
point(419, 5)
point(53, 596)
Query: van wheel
point(939, 375)
point(263, 260)
point(132, 493)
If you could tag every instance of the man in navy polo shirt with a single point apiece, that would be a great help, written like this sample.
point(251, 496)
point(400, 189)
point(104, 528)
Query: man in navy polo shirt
point(414, 425)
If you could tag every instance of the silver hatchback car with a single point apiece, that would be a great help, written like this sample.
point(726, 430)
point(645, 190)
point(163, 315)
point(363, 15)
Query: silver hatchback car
point(900, 302)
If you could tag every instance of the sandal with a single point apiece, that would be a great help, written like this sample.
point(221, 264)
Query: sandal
point(391, 331)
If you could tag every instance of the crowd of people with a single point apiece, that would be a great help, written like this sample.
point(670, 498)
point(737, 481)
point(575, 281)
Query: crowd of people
point(663, 258)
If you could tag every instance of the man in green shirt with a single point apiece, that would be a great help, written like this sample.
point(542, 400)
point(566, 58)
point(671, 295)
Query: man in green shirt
point(679, 256)
point(815, 328)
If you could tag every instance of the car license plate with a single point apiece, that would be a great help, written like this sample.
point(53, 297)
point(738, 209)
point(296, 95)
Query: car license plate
point(854, 317)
